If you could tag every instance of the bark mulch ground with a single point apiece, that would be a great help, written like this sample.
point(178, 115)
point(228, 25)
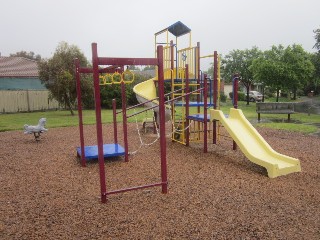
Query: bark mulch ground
point(46, 194)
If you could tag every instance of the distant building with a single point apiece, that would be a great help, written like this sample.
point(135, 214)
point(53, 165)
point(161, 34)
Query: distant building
point(19, 73)
point(20, 87)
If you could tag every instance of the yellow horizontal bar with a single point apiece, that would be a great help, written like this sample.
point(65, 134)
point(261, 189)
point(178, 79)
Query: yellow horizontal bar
point(207, 56)
point(184, 49)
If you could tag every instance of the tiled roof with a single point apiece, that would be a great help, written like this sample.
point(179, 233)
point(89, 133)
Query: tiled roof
point(18, 67)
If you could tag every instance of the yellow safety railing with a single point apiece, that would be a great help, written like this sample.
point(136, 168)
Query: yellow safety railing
point(188, 56)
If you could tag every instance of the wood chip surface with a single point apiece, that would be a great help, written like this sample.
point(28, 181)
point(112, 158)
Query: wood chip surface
point(46, 194)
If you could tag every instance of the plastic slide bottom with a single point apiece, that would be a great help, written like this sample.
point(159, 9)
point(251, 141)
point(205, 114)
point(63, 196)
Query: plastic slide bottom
point(253, 145)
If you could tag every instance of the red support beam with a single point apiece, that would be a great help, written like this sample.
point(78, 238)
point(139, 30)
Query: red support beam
point(124, 121)
point(115, 125)
point(95, 67)
point(162, 120)
point(205, 112)
point(187, 98)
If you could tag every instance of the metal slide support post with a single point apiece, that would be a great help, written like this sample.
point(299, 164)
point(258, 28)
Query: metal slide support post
point(124, 114)
point(215, 93)
point(115, 127)
point(78, 88)
point(163, 146)
point(235, 101)
point(97, 101)
point(187, 105)
point(205, 112)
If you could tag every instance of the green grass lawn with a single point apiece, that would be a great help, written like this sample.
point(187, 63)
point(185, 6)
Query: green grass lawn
point(60, 118)
point(9, 122)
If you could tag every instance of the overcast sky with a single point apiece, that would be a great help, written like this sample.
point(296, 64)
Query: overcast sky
point(125, 28)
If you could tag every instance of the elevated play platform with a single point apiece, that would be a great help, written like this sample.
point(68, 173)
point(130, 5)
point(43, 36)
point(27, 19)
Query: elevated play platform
point(109, 150)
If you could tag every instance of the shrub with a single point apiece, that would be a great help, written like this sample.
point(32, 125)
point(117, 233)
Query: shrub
point(241, 96)
point(223, 97)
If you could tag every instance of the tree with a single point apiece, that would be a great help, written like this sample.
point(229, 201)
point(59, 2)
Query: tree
point(317, 38)
point(29, 55)
point(314, 85)
point(299, 68)
point(239, 61)
point(283, 68)
point(149, 67)
point(58, 75)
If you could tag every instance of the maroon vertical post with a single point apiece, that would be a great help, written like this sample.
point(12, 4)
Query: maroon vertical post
point(115, 126)
point(163, 146)
point(187, 106)
point(124, 116)
point(235, 100)
point(97, 101)
point(198, 73)
point(172, 54)
point(215, 93)
point(205, 112)
point(79, 97)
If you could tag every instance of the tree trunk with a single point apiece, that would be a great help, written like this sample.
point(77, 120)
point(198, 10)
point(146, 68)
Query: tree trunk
point(68, 104)
point(70, 108)
point(248, 100)
point(277, 100)
point(294, 93)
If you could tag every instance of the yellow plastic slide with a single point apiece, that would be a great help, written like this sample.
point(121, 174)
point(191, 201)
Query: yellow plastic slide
point(146, 91)
point(253, 145)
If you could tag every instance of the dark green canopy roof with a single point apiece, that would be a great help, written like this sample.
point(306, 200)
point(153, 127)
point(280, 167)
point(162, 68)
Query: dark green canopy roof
point(178, 29)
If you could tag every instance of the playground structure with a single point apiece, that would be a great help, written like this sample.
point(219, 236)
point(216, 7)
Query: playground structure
point(190, 89)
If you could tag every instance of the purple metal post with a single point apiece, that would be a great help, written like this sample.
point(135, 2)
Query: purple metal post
point(115, 125)
point(205, 112)
point(198, 72)
point(97, 100)
point(124, 116)
point(78, 87)
point(163, 146)
point(215, 93)
point(187, 105)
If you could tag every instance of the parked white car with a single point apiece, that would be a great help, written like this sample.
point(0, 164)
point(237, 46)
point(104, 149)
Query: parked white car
point(255, 96)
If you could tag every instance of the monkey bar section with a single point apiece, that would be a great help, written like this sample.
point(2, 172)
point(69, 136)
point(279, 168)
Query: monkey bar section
point(101, 150)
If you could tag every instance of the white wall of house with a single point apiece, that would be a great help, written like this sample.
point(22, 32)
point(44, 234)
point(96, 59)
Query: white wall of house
point(227, 89)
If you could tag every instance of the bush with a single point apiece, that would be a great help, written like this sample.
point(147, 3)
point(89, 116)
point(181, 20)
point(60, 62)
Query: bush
point(223, 97)
point(241, 96)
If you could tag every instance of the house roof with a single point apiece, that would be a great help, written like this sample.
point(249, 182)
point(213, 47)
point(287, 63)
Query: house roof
point(18, 67)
